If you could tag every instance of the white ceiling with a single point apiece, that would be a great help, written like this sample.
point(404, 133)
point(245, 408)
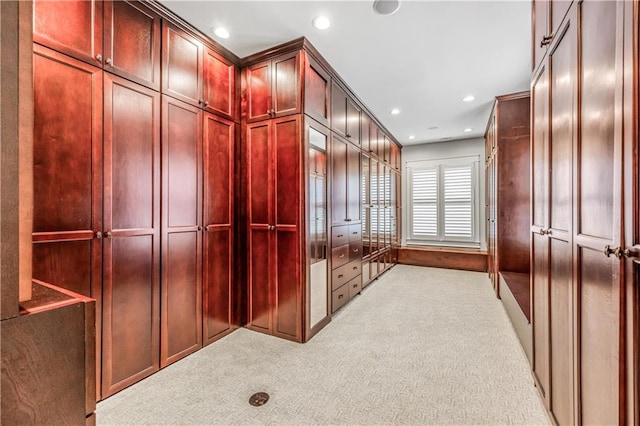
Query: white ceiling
point(422, 60)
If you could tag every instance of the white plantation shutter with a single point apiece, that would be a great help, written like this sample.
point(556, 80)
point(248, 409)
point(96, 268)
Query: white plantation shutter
point(424, 194)
point(458, 201)
point(443, 207)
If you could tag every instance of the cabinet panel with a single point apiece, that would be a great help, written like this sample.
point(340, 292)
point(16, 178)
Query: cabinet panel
point(132, 217)
point(132, 42)
point(317, 90)
point(540, 148)
point(285, 96)
point(218, 84)
point(561, 328)
point(339, 175)
point(181, 65)
point(131, 331)
point(540, 29)
point(182, 296)
point(353, 122)
point(219, 137)
point(286, 140)
point(82, 40)
point(353, 183)
point(259, 279)
point(338, 110)
point(68, 264)
point(288, 309)
point(599, 332)
point(218, 249)
point(365, 132)
point(259, 171)
point(540, 311)
point(182, 241)
point(258, 91)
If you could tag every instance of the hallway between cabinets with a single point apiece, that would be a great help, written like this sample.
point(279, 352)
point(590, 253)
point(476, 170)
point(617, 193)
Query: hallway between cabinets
point(418, 346)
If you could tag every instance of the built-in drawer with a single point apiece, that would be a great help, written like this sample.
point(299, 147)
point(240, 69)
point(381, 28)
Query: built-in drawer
point(339, 297)
point(340, 255)
point(339, 235)
point(355, 286)
point(355, 232)
point(345, 273)
point(355, 250)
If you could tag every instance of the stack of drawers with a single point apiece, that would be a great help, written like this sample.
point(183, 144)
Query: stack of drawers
point(346, 264)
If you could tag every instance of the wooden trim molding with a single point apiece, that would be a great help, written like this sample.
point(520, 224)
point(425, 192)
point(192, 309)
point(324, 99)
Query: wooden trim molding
point(443, 257)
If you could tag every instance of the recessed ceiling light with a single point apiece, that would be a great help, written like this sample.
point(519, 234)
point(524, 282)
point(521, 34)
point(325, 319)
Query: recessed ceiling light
point(411, 137)
point(395, 111)
point(221, 32)
point(321, 22)
point(468, 98)
point(386, 7)
point(468, 129)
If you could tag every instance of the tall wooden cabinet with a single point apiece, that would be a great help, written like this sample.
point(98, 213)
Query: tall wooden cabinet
point(104, 159)
point(584, 311)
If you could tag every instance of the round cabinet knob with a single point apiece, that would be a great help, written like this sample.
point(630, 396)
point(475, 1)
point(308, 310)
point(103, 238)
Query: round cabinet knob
point(108, 61)
point(99, 58)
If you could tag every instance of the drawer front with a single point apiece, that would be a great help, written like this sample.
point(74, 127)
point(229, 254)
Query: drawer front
point(340, 256)
point(339, 235)
point(339, 297)
point(355, 286)
point(355, 232)
point(345, 273)
point(355, 250)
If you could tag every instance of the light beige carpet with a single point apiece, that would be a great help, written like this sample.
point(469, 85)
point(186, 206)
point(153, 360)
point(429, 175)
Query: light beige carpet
point(418, 346)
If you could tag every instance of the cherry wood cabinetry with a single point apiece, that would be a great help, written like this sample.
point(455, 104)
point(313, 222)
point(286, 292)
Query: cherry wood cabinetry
point(181, 230)
point(345, 115)
point(317, 91)
point(131, 237)
point(345, 181)
point(274, 207)
point(218, 221)
point(547, 16)
point(583, 115)
point(273, 87)
point(196, 74)
point(123, 37)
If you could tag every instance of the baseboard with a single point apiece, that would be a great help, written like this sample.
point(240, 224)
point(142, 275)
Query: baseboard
point(444, 257)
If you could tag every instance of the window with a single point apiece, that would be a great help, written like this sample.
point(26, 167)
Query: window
point(442, 198)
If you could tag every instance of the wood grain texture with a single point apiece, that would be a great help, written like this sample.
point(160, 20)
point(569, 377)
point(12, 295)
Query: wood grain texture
point(39, 386)
point(317, 91)
point(443, 258)
point(219, 85)
point(182, 68)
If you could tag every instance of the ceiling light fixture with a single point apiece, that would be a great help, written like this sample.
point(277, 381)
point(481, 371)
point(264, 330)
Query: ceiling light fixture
point(221, 32)
point(395, 111)
point(411, 137)
point(468, 98)
point(386, 7)
point(468, 129)
point(321, 22)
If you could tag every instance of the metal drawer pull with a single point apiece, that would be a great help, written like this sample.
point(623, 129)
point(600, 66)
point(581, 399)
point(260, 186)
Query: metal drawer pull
point(340, 296)
point(340, 236)
point(340, 276)
point(355, 268)
point(355, 233)
point(341, 255)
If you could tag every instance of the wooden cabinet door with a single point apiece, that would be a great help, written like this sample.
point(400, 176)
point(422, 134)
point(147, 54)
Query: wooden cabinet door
point(131, 292)
point(286, 86)
point(67, 175)
point(374, 134)
point(338, 110)
point(260, 179)
point(181, 230)
point(72, 27)
point(339, 175)
point(541, 30)
point(562, 92)
point(540, 223)
point(353, 183)
point(181, 65)
point(132, 42)
point(219, 136)
point(258, 91)
point(317, 90)
point(353, 122)
point(600, 295)
point(287, 134)
point(365, 132)
point(219, 85)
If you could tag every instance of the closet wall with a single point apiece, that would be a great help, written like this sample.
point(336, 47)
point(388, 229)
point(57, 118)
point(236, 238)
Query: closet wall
point(133, 179)
point(584, 242)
